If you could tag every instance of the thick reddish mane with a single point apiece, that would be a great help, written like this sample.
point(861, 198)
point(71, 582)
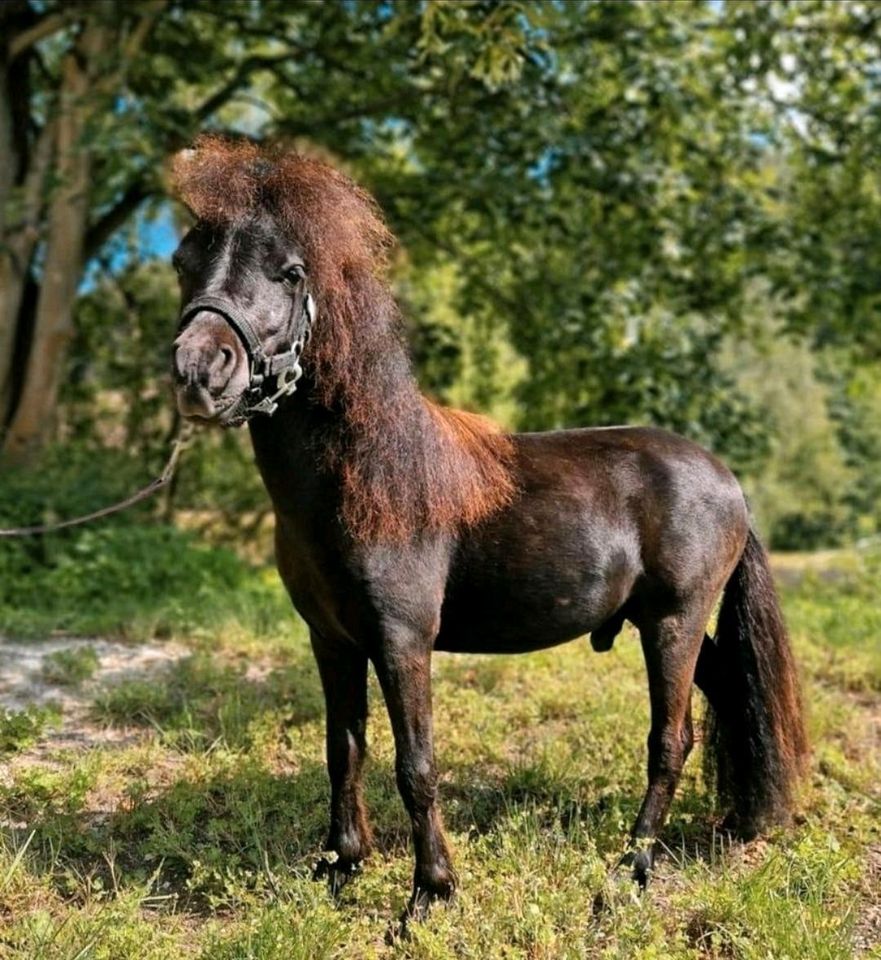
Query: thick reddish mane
point(407, 465)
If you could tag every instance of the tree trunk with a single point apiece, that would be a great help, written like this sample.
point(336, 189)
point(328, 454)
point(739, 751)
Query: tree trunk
point(15, 251)
point(17, 245)
point(9, 289)
point(66, 225)
point(90, 74)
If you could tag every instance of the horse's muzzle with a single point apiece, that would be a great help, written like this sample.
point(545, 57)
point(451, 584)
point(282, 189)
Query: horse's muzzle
point(210, 368)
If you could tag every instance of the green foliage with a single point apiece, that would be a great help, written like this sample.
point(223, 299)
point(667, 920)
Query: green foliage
point(21, 728)
point(800, 492)
point(588, 194)
point(97, 577)
point(70, 668)
point(98, 580)
point(590, 197)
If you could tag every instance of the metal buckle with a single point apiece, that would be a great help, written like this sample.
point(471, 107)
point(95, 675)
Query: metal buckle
point(287, 380)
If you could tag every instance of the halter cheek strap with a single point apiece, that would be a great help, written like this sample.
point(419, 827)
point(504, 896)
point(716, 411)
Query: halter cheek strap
point(284, 366)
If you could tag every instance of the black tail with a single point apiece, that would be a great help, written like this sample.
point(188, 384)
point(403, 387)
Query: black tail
point(756, 746)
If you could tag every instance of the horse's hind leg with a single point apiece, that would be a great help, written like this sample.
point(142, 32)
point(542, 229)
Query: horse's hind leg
point(343, 671)
point(671, 647)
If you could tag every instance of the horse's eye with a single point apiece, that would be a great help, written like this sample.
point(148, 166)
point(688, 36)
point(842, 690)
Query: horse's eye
point(293, 275)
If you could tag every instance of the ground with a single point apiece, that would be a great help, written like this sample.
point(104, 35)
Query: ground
point(169, 799)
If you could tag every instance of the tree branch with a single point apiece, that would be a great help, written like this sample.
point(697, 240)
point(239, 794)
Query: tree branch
point(139, 34)
point(99, 232)
point(43, 28)
point(242, 73)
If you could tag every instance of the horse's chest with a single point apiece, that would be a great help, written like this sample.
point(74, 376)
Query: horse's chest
point(322, 591)
point(359, 593)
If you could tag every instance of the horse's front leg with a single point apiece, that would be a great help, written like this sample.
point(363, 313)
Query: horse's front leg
point(403, 665)
point(343, 670)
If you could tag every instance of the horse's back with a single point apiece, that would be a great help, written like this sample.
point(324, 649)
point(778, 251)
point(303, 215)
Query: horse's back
point(602, 518)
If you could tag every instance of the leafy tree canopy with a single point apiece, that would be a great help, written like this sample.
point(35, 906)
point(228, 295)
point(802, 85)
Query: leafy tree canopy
point(591, 196)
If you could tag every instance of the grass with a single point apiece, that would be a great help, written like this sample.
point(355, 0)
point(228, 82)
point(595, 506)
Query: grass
point(70, 668)
point(20, 729)
point(194, 836)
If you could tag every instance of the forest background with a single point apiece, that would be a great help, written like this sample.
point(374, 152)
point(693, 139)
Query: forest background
point(608, 212)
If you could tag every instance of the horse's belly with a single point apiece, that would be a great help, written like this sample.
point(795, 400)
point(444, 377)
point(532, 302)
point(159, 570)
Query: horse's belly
point(508, 609)
point(495, 637)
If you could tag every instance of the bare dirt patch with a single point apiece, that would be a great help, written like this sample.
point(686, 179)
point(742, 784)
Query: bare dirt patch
point(23, 683)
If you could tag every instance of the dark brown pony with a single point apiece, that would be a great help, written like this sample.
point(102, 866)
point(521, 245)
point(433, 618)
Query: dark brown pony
point(403, 527)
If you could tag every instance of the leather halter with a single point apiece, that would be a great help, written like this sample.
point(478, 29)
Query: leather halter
point(284, 366)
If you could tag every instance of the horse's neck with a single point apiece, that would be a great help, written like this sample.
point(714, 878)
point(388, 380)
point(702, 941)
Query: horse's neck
point(293, 453)
point(389, 464)
point(290, 455)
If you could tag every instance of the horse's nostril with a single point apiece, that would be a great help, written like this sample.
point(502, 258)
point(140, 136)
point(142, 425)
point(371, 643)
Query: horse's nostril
point(221, 367)
point(179, 363)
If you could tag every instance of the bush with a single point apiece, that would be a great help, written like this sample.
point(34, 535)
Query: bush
point(129, 573)
point(20, 728)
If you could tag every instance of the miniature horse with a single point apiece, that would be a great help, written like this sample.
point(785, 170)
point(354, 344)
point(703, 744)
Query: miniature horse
point(403, 527)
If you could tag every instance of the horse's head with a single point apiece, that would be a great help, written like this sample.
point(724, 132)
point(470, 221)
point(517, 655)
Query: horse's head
point(274, 230)
point(245, 318)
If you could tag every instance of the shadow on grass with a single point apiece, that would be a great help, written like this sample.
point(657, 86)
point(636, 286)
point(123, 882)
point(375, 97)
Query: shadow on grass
point(200, 845)
point(478, 805)
point(232, 824)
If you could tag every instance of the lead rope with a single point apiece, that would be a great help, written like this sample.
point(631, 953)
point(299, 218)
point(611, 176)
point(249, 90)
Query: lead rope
point(180, 442)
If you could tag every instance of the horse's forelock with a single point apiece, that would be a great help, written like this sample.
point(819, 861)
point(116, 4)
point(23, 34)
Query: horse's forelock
point(336, 222)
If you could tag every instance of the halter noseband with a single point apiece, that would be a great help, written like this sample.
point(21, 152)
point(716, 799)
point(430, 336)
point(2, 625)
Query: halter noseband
point(284, 366)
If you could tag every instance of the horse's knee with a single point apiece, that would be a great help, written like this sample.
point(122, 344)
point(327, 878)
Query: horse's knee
point(417, 784)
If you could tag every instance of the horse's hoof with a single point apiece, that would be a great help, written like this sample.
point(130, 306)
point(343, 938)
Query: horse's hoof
point(417, 910)
point(641, 865)
point(619, 887)
point(740, 828)
point(337, 873)
point(629, 878)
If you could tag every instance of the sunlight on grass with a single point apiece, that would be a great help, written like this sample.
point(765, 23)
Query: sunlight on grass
point(195, 837)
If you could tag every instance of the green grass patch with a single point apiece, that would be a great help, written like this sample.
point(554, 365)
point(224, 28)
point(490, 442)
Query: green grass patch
point(134, 581)
point(70, 668)
point(839, 610)
point(196, 836)
point(20, 729)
